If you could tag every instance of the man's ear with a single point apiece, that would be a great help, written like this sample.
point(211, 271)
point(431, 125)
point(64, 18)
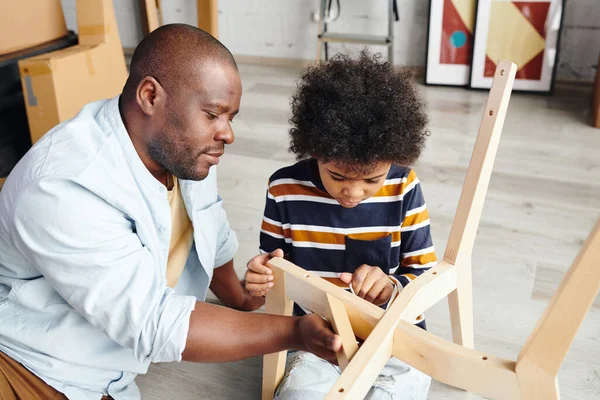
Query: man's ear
point(150, 95)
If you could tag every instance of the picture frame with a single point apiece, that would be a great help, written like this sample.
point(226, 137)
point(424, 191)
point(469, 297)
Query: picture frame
point(525, 32)
point(450, 37)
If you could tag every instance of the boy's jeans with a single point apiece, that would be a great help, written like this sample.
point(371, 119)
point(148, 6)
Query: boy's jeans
point(307, 377)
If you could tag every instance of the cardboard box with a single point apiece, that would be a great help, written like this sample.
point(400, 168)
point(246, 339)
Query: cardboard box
point(56, 85)
point(27, 23)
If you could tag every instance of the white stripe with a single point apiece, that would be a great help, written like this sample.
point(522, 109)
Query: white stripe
point(411, 186)
point(396, 244)
point(397, 288)
point(383, 199)
point(394, 181)
point(272, 222)
point(427, 250)
point(289, 181)
point(325, 246)
point(393, 270)
point(318, 199)
point(419, 266)
point(341, 231)
point(416, 210)
point(276, 236)
point(415, 227)
point(302, 197)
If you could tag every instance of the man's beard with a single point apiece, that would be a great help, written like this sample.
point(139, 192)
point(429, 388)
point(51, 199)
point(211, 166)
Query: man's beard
point(181, 162)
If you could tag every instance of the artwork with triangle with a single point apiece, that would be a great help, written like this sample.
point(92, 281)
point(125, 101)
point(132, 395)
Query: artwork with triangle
point(387, 334)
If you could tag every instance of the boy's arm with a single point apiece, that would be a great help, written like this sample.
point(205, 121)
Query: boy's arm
point(417, 253)
point(272, 232)
point(258, 278)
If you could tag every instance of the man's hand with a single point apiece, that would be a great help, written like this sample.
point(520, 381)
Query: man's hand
point(316, 337)
point(370, 283)
point(259, 278)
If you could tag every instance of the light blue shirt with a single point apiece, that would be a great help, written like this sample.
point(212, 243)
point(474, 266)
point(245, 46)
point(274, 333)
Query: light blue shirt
point(84, 241)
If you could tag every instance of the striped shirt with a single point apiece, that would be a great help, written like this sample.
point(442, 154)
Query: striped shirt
point(390, 230)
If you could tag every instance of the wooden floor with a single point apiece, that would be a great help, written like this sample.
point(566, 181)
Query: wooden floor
point(543, 199)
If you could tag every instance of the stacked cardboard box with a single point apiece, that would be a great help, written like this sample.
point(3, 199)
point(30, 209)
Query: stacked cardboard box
point(56, 85)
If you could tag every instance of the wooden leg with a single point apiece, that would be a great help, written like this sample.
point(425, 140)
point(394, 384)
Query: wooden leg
point(545, 349)
point(338, 317)
point(319, 50)
point(460, 302)
point(535, 384)
point(274, 364)
point(150, 21)
point(208, 16)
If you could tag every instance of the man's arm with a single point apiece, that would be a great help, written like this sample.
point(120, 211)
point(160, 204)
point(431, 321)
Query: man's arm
point(227, 287)
point(219, 334)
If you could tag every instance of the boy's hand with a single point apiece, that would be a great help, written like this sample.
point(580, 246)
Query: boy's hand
point(370, 283)
point(259, 278)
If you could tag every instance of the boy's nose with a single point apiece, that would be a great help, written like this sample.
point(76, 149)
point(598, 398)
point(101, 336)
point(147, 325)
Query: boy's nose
point(354, 192)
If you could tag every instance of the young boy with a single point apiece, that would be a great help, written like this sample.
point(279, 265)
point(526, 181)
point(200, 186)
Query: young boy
point(351, 210)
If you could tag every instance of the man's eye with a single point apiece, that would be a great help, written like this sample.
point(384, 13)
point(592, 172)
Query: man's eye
point(211, 116)
point(337, 179)
point(373, 182)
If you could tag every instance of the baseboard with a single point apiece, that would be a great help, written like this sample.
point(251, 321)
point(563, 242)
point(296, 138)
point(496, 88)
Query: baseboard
point(419, 71)
point(297, 62)
point(276, 61)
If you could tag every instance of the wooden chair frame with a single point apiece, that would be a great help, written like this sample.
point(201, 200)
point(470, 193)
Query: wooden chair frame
point(387, 333)
point(151, 15)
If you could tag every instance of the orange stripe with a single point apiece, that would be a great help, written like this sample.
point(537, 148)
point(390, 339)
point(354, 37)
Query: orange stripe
point(422, 259)
point(409, 179)
point(317, 237)
point(390, 190)
point(410, 276)
point(336, 281)
point(278, 230)
point(335, 238)
point(416, 218)
point(294, 189)
point(375, 235)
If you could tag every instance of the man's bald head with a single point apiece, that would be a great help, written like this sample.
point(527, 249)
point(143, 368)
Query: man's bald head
point(171, 53)
point(179, 101)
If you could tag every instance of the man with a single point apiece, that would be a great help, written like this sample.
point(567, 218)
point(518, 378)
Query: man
point(110, 231)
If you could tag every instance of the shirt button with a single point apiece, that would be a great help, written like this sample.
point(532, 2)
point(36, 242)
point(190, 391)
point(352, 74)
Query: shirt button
point(161, 229)
point(163, 189)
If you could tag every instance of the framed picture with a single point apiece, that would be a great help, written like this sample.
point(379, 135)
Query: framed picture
point(450, 42)
point(524, 32)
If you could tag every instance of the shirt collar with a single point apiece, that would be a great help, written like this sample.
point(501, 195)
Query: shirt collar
point(139, 170)
point(315, 177)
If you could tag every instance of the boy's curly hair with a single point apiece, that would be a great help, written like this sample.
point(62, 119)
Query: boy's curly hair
point(357, 112)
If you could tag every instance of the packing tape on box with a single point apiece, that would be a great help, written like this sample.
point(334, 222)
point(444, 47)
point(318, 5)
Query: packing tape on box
point(36, 69)
point(90, 63)
point(29, 71)
point(93, 30)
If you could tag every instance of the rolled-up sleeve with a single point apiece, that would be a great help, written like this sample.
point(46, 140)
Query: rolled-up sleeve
point(89, 251)
point(227, 242)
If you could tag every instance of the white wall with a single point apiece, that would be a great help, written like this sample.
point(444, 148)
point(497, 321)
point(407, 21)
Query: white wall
point(284, 29)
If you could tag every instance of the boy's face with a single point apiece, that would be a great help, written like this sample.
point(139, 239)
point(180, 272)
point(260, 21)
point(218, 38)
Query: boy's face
point(350, 188)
